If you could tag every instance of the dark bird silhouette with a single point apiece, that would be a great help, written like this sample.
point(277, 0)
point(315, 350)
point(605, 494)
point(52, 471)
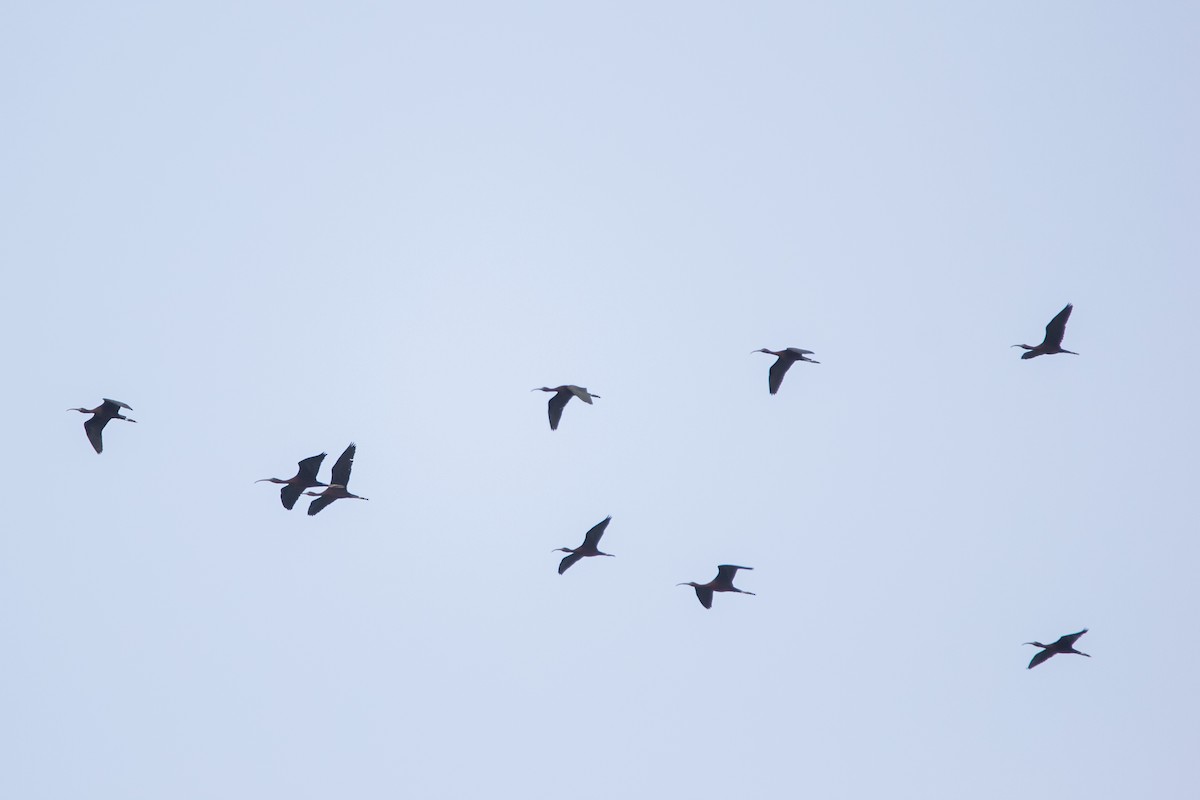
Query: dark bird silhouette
point(787, 357)
point(722, 583)
point(1054, 335)
point(561, 395)
point(305, 478)
point(591, 543)
point(1065, 644)
point(337, 483)
point(101, 414)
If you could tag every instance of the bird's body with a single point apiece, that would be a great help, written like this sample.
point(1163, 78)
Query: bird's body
point(101, 414)
point(785, 358)
point(1065, 644)
point(590, 546)
point(305, 478)
point(561, 395)
point(1052, 344)
point(337, 485)
point(722, 583)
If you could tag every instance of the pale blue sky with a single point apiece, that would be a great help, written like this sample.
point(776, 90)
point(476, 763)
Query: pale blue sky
point(275, 228)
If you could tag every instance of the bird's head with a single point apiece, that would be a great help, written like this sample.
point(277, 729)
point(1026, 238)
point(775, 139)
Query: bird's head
point(270, 480)
point(689, 583)
point(1035, 644)
point(562, 550)
point(542, 389)
point(84, 410)
point(763, 350)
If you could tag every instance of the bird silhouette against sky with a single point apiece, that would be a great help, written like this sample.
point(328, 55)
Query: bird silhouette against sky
point(1055, 329)
point(783, 363)
point(1065, 644)
point(305, 478)
point(722, 583)
point(590, 546)
point(561, 395)
point(101, 414)
point(337, 483)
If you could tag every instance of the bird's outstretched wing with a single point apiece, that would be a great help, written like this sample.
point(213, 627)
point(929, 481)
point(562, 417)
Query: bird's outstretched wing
point(592, 537)
point(799, 351)
point(1039, 658)
point(582, 394)
point(341, 471)
point(316, 505)
point(566, 563)
point(778, 370)
point(92, 428)
point(1057, 327)
point(725, 572)
point(289, 494)
point(114, 406)
point(309, 467)
point(555, 408)
point(1070, 639)
point(704, 595)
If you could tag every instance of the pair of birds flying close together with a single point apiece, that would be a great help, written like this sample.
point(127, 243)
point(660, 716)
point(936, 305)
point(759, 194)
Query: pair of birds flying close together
point(591, 547)
point(306, 478)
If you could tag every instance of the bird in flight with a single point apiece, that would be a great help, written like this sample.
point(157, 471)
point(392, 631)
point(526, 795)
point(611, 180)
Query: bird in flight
point(722, 583)
point(561, 395)
point(787, 357)
point(1054, 335)
point(101, 414)
point(305, 478)
point(1065, 644)
point(337, 483)
point(590, 546)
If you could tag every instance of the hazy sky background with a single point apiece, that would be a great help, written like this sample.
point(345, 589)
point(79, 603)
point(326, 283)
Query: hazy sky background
point(275, 228)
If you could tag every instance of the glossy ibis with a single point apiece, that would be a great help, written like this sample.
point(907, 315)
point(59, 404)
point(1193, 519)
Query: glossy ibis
point(722, 583)
point(101, 414)
point(337, 483)
point(1054, 335)
point(305, 478)
point(1065, 644)
point(787, 357)
point(591, 543)
point(561, 395)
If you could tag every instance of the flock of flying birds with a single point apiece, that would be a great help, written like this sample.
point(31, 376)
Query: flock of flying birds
point(306, 475)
